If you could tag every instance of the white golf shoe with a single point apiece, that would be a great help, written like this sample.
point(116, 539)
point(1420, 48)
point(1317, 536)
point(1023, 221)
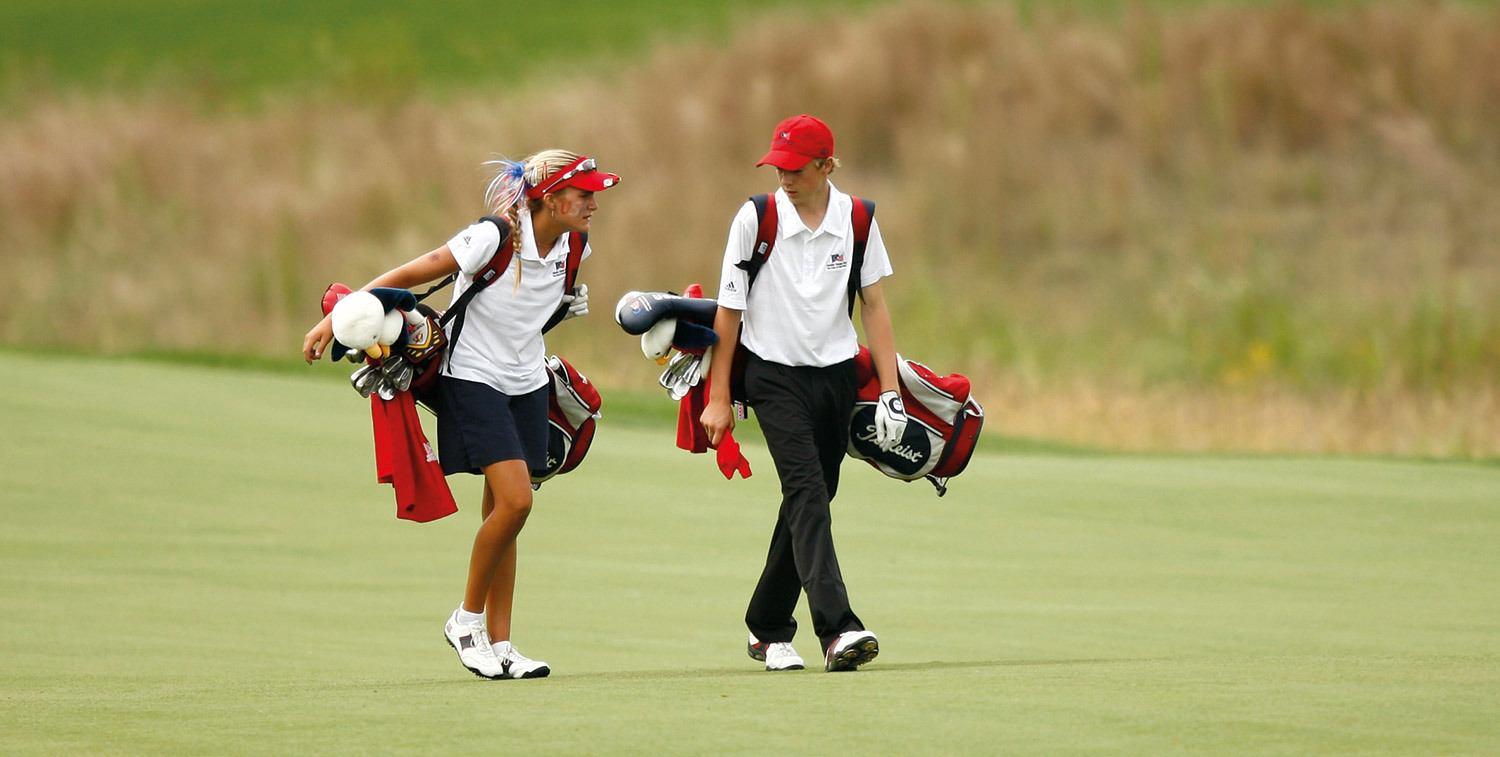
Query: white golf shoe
point(850, 650)
point(518, 665)
point(781, 656)
point(472, 643)
point(777, 655)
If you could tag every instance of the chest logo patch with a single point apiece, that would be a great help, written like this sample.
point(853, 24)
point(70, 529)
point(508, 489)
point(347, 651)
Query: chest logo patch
point(559, 268)
point(837, 261)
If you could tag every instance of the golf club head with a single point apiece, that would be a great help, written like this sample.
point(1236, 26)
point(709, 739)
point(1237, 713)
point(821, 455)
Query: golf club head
point(669, 373)
point(677, 367)
point(682, 374)
point(364, 379)
point(701, 369)
point(400, 373)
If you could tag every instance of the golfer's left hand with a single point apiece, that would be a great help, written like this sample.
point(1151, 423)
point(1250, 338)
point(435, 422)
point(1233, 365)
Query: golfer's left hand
point(577, 302)
point(890, 419)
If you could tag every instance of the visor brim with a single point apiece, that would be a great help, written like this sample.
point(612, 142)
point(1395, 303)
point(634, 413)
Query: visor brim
point(593, 181)
point(786, 161)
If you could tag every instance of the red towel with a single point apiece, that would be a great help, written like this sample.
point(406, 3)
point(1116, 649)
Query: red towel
point(404, 459)
point(692, 437)
point(690, 433)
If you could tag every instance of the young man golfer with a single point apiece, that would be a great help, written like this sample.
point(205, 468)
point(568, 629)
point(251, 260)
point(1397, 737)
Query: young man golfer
point(799, 377)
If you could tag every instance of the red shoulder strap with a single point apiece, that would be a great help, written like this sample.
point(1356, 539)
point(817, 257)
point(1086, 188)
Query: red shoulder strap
point(492, 269)
point(482, 278)
point(765, 239)
point(861, 215)
point(502, 257)
point(576, 243)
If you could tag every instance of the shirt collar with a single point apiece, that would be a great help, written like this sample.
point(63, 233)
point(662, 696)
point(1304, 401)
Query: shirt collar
point(835, 220)
point(527, 243)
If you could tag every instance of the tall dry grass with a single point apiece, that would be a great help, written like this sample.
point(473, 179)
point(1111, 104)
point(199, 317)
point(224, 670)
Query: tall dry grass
point(1285, 216)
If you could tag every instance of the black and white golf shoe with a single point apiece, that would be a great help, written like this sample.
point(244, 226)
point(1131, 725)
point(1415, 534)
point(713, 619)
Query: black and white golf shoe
point(850, 650)
point(472, 643)
point(518, 665)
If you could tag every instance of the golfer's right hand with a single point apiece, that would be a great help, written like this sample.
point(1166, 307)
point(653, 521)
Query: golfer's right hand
point(717, 419)
point(317, 340)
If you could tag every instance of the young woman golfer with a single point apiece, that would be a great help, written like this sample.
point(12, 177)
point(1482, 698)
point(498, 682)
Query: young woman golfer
point(491, 397)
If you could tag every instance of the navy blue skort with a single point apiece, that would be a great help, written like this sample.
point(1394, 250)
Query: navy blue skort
point(478, 424)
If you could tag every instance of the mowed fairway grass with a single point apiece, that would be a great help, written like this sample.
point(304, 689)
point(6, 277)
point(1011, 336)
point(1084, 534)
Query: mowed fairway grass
point(199, 560)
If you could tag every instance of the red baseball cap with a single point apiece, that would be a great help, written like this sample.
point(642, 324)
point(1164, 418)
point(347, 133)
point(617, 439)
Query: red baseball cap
point(798, 140)
point(582, 173)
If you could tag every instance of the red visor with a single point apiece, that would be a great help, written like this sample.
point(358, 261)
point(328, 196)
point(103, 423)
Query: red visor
point(581, 173)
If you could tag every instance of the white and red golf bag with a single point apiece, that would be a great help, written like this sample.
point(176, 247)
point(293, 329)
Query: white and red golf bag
point(572, 410)
point(943, 423)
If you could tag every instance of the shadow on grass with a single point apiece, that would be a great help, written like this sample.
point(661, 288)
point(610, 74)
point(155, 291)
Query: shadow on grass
point(899, 667)
point(750, 671)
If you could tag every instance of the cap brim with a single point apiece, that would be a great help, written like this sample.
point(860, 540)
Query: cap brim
point(786, 161)
point(594, 181)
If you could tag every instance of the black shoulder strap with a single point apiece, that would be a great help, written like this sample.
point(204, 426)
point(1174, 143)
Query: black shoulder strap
point(765, 240)
point(485, 276)
point(576, 243)
point(861, 215)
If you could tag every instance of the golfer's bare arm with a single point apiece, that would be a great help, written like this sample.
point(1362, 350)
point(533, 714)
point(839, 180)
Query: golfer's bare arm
point(876, 318)
point(419, 270)
point(718, 416)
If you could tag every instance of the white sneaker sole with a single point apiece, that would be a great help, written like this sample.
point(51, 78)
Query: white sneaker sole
point(860, 652)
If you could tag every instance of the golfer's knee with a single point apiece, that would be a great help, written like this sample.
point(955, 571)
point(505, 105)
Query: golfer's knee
point(511, 500)
point(517, 503)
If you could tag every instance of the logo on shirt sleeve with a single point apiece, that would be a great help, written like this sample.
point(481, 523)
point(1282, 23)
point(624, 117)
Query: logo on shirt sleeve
point(730, 287)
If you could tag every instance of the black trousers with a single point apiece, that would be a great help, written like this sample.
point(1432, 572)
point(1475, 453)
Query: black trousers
point(804, 413)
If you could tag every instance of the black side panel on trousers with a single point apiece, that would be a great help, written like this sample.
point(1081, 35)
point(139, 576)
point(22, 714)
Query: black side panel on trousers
point(804, 413)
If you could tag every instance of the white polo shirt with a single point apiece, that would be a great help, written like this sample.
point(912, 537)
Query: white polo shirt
point(501, 342)
point(798, 312)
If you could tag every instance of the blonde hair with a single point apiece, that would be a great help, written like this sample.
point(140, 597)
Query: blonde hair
point(506, 193)
point(833, 159)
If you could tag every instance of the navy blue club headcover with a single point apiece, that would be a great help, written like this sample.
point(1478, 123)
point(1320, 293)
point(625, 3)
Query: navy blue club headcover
point(637, 312)
point(692, 337)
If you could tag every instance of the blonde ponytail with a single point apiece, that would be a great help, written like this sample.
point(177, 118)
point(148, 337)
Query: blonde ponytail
point(507, 188)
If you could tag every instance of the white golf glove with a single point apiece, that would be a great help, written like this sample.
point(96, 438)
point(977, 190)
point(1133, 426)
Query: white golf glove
point(890, 420)
point(578, 302)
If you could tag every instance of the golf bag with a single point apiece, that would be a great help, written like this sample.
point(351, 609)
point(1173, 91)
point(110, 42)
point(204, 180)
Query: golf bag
point(943, 423)
point(572, 410)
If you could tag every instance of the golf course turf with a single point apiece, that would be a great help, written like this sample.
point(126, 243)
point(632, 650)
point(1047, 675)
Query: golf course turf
point(199, 560)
